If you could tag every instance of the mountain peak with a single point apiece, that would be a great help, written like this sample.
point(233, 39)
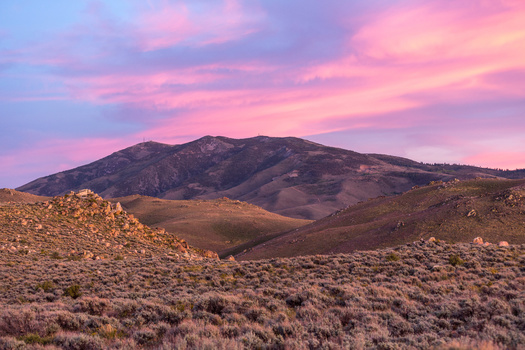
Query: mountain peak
point(286, 175)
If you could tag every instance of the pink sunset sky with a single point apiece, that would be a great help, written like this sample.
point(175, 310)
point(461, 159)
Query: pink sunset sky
point(431, 80)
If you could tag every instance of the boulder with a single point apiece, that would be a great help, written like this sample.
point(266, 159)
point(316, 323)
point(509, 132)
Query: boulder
point(478, 240)
point(503, 244)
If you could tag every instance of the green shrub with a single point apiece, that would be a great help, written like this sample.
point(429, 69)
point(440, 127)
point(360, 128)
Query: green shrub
point(392, 257)
point(455, 260)
point(55, 255)
point(35, 339)
point(46, 286)
point(73, 291)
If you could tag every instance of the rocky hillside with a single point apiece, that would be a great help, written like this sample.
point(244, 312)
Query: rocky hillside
point(84, 226)
point(454, 211)
point(288, 176)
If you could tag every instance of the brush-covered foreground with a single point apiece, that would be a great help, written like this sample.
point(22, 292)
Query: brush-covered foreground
point(417, 296)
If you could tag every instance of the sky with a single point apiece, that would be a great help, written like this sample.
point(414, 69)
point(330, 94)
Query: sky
point(431, 80)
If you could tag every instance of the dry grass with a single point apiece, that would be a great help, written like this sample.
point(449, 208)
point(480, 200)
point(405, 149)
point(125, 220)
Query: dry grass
point(216, 225)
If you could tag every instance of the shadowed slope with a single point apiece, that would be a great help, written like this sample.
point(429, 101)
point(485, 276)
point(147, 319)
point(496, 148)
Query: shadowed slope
point(457, 211)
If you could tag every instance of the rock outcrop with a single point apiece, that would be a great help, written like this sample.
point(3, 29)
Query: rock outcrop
point(82, 225)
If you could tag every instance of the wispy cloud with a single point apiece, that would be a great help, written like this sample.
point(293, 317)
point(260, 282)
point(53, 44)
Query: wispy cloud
point(452, 70)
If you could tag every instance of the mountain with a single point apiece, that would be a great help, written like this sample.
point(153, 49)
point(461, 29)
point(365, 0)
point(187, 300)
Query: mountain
point(82, 225)
point(216, 225)
point(288, 176)
point(455, 211)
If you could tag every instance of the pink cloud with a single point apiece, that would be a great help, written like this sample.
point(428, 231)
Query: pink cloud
point(52, 156)
point(392, 72)
point(504, 160)
point(175, 23)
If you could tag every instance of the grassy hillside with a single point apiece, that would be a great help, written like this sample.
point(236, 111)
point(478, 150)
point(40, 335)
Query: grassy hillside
point(455, 211)
point(216, 225)
point(419, 296)
point(12, 196)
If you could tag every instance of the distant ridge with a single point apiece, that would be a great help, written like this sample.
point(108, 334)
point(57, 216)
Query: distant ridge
point(455, 211)
point(288, 176)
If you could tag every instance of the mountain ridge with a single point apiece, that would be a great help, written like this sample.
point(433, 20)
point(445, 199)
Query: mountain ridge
point(288, 176)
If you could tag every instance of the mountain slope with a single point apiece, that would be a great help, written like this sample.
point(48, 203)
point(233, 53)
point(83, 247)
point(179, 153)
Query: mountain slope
point(209, 224)
point(457, 211)
point(288, 176)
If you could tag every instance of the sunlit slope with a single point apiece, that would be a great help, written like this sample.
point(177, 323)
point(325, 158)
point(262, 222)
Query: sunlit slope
point(209, 224)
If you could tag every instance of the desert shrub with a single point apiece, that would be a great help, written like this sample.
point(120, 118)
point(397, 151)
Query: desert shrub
point(92, 306)
point(32, 338)
point(69, 321)
point(125, 308)
point(392, 257)
point(20, 321)
point(78, 341)
point(10, 343)
point(46, 286)
point(73, 291)
point(455, 260)
point(145, 336)
point(107, 331)
point(230, 331)
point(55, 255)
point(256, 314)
point(212, 303)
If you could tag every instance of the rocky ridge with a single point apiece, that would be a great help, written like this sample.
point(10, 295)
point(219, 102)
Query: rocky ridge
point(82, 225)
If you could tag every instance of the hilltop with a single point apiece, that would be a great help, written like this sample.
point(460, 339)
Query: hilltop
point(84, 226)
point(217, 224)
point(454, 211)
point(288, 176)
